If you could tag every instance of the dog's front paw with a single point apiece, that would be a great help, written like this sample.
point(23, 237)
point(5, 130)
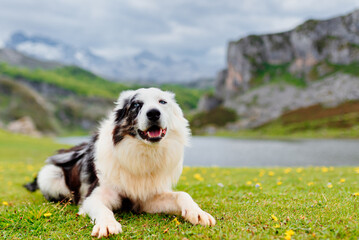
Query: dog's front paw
point(106, 228)
point(198, 216)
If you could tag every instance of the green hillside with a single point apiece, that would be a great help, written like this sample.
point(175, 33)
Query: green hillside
point(77, 100)
point(270, 73)
point(84, 83)
point(70, 78)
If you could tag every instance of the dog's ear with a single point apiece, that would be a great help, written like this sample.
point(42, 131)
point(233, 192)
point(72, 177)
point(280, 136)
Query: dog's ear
point(176, 108)
point(124, 97)
point(123, 104)
point(171, 95)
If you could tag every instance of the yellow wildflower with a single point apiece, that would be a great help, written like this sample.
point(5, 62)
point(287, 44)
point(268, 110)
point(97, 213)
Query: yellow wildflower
point(5, 203)
point(342, 180)
point(274, 218)
point(289, 234)
point(47, 214)
point(176, 221)
point(287, 170)
point(271, 173)
point(325, 169)
point(356, 194)
point(249, 182)
point(279, 183)
point(277, 226)
point(299, 170)
point(198, 177)
point(261, 173)
point(357, 170)
point(310, 184)
point(255, 179)
point(287, 237)
point(329, 185)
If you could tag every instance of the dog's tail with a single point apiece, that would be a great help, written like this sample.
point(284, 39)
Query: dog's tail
point(32, 186)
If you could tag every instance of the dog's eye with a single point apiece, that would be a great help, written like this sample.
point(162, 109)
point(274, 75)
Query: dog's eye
point(135, 105)
point(162, 101)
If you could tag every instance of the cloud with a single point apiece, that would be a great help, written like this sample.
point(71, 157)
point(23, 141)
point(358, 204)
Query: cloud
point(182, 28)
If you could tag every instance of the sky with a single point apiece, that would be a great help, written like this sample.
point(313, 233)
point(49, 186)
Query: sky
point(198, 30)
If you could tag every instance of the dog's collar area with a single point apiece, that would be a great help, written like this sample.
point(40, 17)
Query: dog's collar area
point(153, 134)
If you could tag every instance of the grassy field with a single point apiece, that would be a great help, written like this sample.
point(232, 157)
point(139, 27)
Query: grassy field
point(248, 203)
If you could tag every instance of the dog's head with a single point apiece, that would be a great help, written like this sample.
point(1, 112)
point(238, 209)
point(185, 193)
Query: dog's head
point(147, 114)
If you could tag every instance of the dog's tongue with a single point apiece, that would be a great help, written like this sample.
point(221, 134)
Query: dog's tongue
point(154, 132)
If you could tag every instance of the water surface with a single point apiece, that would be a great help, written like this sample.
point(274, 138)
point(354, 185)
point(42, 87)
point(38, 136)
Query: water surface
point(226, 152)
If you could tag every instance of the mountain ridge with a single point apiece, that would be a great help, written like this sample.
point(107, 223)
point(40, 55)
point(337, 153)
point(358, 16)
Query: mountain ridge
point(144, 66)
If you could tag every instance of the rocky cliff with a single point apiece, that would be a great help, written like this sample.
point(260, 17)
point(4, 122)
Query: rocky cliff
point(269, 75)
point(306, 52)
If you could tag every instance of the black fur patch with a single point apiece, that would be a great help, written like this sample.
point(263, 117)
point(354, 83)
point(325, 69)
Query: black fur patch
point(126, 119)
point(77, 164)
point(90, 167)
point(73, 181)
point(94, 185)
point(128, 205)
point(32, 186)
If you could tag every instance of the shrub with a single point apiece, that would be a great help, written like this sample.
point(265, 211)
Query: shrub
point(218, 117)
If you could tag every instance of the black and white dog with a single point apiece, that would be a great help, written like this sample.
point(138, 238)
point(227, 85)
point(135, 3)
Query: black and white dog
point(133, 161)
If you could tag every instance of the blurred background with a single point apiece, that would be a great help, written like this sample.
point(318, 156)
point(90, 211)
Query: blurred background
point(263, 83)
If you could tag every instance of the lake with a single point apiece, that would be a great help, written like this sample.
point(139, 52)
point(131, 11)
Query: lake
point(228, 152)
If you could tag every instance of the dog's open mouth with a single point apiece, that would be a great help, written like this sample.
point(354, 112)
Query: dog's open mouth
point(153, 134)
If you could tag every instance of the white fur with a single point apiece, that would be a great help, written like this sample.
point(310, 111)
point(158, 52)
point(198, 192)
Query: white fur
point(51, 182)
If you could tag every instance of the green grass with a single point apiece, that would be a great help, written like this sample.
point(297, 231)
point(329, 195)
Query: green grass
point(245, 202)
point(351, 68)
point(275, 74)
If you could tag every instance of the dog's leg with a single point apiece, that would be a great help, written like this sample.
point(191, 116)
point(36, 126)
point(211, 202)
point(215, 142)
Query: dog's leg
point(178, 203)
point(99, 206)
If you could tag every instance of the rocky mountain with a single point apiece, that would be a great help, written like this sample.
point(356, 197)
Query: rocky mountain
point(268, 75)
point(142, 67)
point(18, 59)
point(305, 52)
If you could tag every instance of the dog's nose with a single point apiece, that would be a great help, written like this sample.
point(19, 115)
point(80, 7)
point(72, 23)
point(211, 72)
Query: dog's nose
point(153, 114)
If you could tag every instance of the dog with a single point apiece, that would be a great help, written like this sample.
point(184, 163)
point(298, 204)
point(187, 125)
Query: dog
point(133, 162)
